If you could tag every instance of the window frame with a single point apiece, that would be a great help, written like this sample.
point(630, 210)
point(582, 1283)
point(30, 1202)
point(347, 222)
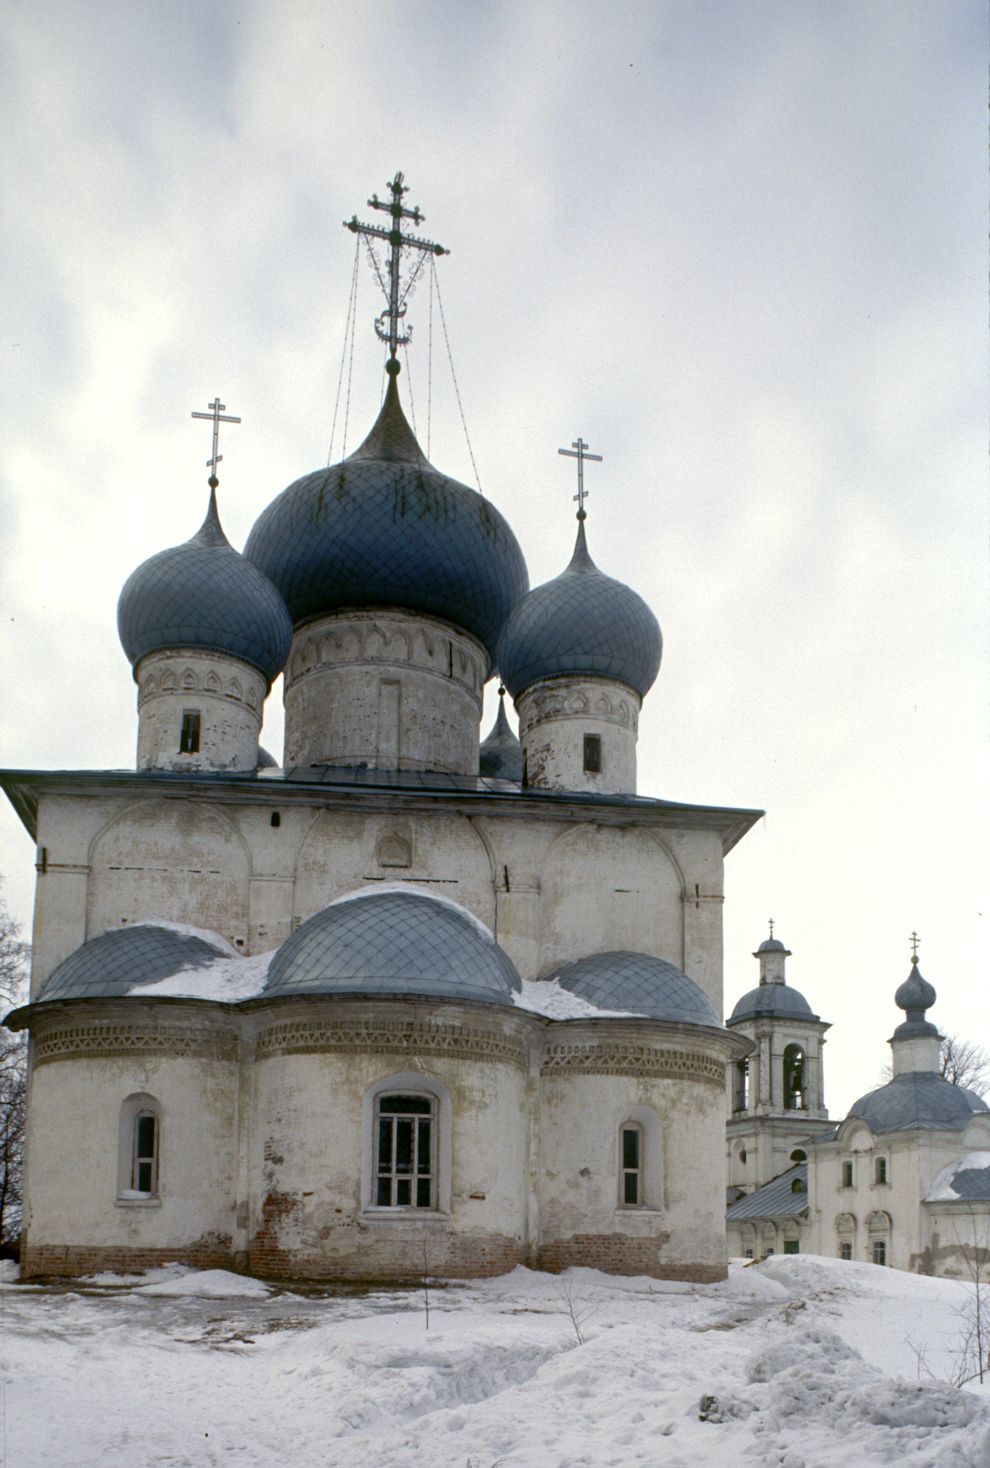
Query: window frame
point(881, 1171)
point(592, 754)
point(191, 731)
point(136, 1108)
point(646, 1123)
point(405, 1121)
point(408, 1083)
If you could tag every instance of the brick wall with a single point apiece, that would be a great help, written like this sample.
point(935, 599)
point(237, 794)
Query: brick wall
point(213, 1251)
point(619, 1254)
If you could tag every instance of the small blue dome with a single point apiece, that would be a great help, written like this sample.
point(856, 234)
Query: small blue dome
point(918, 1100)
point(582, 622)
point(638, 984)
point(386, 529)
point(777, 1001)
point(915, 996)
point(128, 958)
point(500, 755)
point(204, 594)
point(393, 943)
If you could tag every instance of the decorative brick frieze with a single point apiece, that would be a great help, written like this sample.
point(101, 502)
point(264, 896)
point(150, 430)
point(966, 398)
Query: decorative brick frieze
point(632, 1060)
point(315, 1037)
point(71, 1042)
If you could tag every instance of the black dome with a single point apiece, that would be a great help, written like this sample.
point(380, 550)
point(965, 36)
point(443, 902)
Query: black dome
point(204, 594)
point(384, 528)
point(581, 622)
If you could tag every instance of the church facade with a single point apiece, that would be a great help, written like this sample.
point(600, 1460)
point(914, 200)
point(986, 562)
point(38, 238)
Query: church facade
point(903, 1180)
point(405, 1001)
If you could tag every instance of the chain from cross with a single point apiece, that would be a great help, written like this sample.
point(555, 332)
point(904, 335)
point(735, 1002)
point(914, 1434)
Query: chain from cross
point(915, 941)
point(579, 450)
point(218, 413)
point(387, 324)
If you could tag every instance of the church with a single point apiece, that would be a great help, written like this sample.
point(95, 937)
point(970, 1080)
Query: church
point(903, 1180)
point(406, 1000)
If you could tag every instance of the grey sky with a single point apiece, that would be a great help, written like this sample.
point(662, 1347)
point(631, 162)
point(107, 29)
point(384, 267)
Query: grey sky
point(740, 247)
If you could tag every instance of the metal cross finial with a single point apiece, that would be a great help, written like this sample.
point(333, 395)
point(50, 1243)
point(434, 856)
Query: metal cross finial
point(915, 940)
point(771, 927)
point(579, 450)
point(387, 324)
point(218, 412)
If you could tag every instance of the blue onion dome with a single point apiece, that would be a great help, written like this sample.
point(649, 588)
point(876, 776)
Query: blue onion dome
point(639, 985)
point(915, 996)
point(500, 755)
point(204, 594)
point(399, 944)
point(918, 1100)
point(772, 1001)
point(128, 958)
point(384, 528)
point(583, 622)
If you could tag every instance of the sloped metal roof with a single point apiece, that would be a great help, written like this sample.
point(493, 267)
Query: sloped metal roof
point(918, 1101)
point(118, 961)
point(776, 1199)
point(778, 1001)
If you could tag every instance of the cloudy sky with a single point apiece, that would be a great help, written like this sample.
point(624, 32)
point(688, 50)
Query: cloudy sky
point(738, 245)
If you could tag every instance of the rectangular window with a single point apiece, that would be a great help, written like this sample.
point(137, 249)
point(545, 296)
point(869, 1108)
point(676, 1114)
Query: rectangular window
point(632, 1166)
point(879, 1251)
point(880, 1170)
point(791, 1246)
point(144, 1159)
point(189, 735)
point(847, 1174)
point(593, 754)
point(845, 1249)
point(404, 1173)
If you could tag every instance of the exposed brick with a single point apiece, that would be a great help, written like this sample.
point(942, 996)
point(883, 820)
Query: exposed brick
point(619, 1254)
point(39, 1261)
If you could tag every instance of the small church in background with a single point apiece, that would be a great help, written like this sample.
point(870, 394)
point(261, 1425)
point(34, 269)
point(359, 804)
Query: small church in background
point(903, 1180)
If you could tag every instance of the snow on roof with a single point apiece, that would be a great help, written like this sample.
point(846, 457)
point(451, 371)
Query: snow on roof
point(965, 1180)
point(225, 980)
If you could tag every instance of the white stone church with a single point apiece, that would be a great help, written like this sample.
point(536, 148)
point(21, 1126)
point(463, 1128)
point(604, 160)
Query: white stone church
point(404, 999)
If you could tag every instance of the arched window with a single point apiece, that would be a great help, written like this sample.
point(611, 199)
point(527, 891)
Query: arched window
point(139, 1149)
point(639, 1159)
point(799, 1155)
point(879, 1227)
point(407, 1144)
point(794, 1095)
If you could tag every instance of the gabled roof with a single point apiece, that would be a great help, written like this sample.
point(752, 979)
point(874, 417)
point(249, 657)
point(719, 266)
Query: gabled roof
point(776, 1199)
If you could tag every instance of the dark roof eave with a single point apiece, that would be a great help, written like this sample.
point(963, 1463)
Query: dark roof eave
point(22, 788)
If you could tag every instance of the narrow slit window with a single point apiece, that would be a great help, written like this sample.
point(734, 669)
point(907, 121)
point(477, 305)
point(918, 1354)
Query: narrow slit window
point(880, 1170)
point(144, 1160)
point(847, 1174)
point(404, 1170)
point(593, 754)
point(631, 1143)
point(189, 734)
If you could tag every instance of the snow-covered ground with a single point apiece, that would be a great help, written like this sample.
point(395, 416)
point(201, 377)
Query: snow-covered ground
point(801, 1362)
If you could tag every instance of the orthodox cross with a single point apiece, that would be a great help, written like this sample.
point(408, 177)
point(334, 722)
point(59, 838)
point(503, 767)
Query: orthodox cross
point(218, 412)
point(387, 324)
point(579, 450)
point(771, 927)
point(914, 940)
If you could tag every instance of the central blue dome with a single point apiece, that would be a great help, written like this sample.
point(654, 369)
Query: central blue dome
point(385, 529)
point(398, 944)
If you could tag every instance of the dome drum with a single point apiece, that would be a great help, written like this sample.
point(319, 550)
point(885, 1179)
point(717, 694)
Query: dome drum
point(384, 689)
point(198, 711)
point(579, 733)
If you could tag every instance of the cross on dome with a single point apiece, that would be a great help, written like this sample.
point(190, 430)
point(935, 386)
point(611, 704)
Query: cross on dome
point(218, 413)
point(579, 450)
point(387, 324)
point(914, 941)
